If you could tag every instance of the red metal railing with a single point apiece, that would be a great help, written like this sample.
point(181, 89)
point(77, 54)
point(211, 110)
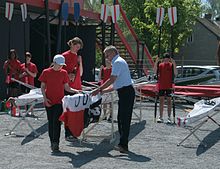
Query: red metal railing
point(147, 60)
point(125, 42)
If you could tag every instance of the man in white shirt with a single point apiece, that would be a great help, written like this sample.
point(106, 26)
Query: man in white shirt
point(122, 82)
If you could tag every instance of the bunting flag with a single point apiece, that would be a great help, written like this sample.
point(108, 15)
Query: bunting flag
point(172, 14)
point(76, 11)
point(115, 9)
point(65, 11)
point(23, 12)
point(9, 10)
point(160, 16)
point(104, 12)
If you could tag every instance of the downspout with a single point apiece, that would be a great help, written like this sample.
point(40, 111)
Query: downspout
point(218, 54)
point(112, 40)
point(59, 28)
point(47, 31)
point(103, 38)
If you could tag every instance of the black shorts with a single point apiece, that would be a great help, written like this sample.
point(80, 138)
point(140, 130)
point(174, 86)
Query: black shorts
point(166, 92)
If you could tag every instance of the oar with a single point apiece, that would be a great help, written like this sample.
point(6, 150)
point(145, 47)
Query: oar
point(24, 84)
point(65, 13)
point(76, 14)
point(90, 83)
point(174, 110)
point(155, 108)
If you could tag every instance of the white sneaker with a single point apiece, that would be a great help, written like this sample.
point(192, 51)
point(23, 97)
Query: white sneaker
point(169, 121)
point(160, 120)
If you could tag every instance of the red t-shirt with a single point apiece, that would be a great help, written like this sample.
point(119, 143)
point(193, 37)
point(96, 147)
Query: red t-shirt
point(12, 67)
point(105, 74)
point(165, 74)
point(74, 121)
point(32, 68)
point(54, 81)
point(72, 65)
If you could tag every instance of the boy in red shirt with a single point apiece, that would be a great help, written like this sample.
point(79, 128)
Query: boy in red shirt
point(29, 71)
point(166, 70)
point(54, 80)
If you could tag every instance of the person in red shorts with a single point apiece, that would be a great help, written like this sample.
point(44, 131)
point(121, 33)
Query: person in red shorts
point(12, 69)
point(105, 73)
point(29, 72)
point(166, 71)
point(54, 80)
point(74, 68)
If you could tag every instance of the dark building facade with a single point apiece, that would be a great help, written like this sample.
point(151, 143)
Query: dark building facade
point(201, 47)
point(13, 33)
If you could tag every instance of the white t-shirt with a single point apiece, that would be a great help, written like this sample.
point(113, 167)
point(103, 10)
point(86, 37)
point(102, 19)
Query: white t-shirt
point(121, 70)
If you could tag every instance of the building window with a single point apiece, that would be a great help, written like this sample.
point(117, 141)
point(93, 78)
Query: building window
point(190, 39)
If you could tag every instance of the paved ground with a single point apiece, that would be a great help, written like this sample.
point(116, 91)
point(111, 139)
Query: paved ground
point(151, 145)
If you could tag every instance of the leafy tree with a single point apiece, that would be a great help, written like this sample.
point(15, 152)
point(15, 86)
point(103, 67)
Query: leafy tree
point(98, 62)
point(143, 19)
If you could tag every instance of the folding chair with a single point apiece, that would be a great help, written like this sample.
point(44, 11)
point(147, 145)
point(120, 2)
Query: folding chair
point(110, 97)
point(138, 103)
point(139, 100)
point(32, 98)
point(196, 127)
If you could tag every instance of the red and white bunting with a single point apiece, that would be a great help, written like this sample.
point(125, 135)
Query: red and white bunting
point(172, 13)
point(23, 12)
point(160, 16)
point(9, 10)
point(104, 12)
point(115, 9)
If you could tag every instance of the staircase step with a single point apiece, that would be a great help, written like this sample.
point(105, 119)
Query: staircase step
point(135, 70)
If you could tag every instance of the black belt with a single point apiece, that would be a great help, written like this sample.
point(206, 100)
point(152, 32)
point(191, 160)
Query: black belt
point(124, 88)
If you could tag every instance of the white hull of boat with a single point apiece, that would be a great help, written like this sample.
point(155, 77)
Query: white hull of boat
point(202, 108)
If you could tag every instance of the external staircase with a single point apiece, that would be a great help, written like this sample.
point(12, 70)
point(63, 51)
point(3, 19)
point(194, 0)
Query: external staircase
point(130, 48)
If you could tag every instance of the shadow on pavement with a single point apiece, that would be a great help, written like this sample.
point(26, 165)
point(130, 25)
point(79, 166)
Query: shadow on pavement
point(41, 130)
point(210, 140)
point(102, 150)
point(132, 157)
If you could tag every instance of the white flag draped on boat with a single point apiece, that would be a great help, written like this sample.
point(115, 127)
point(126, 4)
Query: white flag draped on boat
point(172, 14)
point(104, 12)
point(79, 102)
point(9, 8)
point(115, 10)
point(23, 12)
point(160, 16)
